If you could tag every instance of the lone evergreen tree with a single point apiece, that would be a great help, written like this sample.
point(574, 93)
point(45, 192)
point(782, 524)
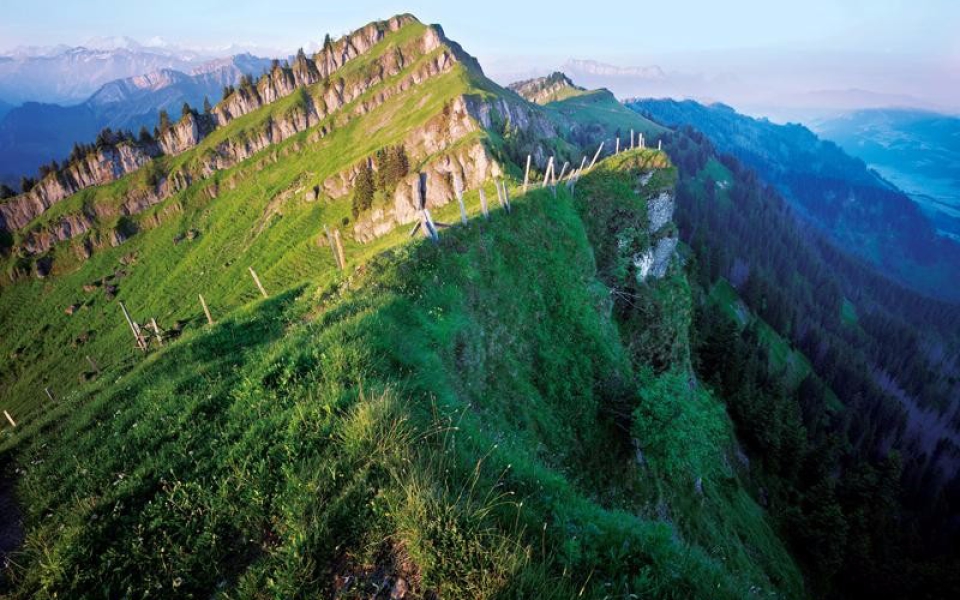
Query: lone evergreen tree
point(144, 136)
point(364, 188)
point(207, 108)
point(185, 110)
point(164, 121)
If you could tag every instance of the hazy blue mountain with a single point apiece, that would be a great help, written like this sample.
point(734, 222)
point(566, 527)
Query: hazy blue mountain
point(917, 150)
point(35, 133)
point(70, 75)
point(836, 192)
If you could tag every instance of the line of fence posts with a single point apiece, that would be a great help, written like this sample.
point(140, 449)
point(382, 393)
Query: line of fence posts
point(426, 222)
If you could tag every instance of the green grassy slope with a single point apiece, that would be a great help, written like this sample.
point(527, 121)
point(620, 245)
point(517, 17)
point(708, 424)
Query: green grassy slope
point(586, 108)
point(448, 414)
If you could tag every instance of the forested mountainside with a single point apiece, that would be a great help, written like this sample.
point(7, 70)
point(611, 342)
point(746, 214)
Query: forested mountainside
point(378, 327)
point(863, 213)
point(841, 384)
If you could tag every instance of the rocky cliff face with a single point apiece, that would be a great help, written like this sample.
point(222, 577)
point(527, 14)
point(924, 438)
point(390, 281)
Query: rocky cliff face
point(109, 164)
point(103, 166)
point(185, 134)
point(655, 260)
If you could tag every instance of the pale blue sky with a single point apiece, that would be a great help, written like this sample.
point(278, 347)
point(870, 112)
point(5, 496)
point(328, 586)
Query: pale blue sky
point(906, 47)
point(507, 26)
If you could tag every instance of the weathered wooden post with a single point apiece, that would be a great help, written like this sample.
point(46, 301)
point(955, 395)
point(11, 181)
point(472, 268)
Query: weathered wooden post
point(595, 157)
point(483, 204)
point(9, 418)
point(617, 151)
point(659, 145)
point(641, 141)
point(502, 194)
point(133, 327)
point(631, 139)
point(156, 330)
point(49, 394)
point(206, 310)
point(257, 281)
point(333, 247)
point(526, 175)
point(458, 188)
point(582, 164)
point(563, 170)
point(431, 227)
point(93, 365)
point(341, 257)
point(546, 173)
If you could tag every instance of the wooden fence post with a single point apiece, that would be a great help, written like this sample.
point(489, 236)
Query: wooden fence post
point(617, 151)
point(93, 365)
point(156, 330)
point(641, 141)
point(9, 418)
point(333, 247)
point(49, 394)
point(458, 188)
point(431, 227)
point(546, 173)
point(631, 139)
point(133, 327)
point(483, 204)
point(659, 145)
point(563, 170)
point(206, 310)
point(502, 194)
point(341, 257)
point(595, 156)
point(526, 175)
point(257, 281)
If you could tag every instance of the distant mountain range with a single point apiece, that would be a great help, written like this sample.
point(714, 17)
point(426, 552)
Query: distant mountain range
point(917, 150)
point(860, 210)
point(36, 133)
point(72, 75)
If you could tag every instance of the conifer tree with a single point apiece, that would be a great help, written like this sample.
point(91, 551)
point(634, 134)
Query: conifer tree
point(364, 188)
point(164, 121)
